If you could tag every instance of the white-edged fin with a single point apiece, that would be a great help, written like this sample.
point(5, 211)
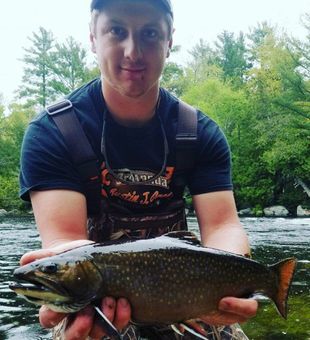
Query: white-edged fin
point(108, 326)
point(176, 330)
point(190, 330)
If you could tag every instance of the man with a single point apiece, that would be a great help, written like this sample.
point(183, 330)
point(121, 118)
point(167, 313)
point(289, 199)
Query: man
point(131, 126)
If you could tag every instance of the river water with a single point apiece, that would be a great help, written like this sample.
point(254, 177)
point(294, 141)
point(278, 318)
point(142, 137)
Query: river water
point(271, 240)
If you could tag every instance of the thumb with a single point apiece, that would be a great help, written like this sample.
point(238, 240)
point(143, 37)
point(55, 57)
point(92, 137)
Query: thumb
point(35, 255)
point(46, 252)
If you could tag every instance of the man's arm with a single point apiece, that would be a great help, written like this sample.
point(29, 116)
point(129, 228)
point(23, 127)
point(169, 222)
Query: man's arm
point(220, 228)
point(61, 218)
point(60, 215)
point(219, 222)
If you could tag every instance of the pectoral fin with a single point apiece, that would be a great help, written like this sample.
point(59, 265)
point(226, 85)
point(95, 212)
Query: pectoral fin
point(109, 328)
point(191, 327)
point(193, 331)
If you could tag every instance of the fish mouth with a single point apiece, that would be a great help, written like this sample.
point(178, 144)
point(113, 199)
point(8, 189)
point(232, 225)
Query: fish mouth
point(39, 290)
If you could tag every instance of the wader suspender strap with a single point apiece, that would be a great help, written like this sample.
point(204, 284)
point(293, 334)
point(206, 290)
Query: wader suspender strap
point(186, 141)
point(86, 161)
point(80, 150)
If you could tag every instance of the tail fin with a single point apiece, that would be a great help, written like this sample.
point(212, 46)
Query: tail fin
point(284, 271)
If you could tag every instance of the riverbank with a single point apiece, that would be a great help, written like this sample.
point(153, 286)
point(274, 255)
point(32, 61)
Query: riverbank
point(275, 211)
point(15, 213)
point(272, 211)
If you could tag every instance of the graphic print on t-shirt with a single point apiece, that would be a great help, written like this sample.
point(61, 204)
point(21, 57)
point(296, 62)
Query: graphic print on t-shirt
point(136, 186)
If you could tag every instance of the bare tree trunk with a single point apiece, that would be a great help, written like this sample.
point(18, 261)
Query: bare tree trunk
point(303, 185)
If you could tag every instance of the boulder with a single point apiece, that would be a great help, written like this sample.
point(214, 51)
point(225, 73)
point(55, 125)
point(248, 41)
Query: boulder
point(276, 211)
point(303, 211)
point(3, 212)
point(13, 212)
point(246, 212)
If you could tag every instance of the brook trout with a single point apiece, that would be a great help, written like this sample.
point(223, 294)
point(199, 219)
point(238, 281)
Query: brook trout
point(168, 279)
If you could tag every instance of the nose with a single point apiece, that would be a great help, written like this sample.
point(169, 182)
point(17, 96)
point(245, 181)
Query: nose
point(133, 48)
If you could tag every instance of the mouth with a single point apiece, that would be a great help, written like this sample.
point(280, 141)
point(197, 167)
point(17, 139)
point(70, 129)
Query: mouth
point(133, 70)
point(39, 291)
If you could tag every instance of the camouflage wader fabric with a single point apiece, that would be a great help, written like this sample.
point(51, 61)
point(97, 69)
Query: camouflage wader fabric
point(132, 332)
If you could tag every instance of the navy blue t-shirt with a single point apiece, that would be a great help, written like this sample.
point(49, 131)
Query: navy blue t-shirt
point(46, 163)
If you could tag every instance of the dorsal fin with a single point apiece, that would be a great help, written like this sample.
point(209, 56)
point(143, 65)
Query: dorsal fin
point(184, 235)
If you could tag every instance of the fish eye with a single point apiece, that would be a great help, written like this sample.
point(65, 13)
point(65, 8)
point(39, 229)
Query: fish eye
point(49, 269)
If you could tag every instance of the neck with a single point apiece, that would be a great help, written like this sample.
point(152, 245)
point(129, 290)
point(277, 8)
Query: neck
point(130, 111)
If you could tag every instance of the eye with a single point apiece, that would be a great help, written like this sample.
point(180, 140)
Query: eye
point(49, 269)
point(118, 31)
point(150, 34)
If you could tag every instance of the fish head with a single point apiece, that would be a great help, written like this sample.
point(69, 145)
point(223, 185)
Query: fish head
point(63, 283)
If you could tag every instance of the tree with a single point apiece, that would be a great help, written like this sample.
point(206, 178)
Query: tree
point(300, 80)
point(258, 34)
point(37, 73)
point(173, 75)
point(203, 65)
point(12, 128)
point(68, 66)
point(232, 57)
point(281, 146)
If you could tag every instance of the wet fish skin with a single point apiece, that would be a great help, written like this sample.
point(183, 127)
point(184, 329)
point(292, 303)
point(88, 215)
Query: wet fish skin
point(167, 279)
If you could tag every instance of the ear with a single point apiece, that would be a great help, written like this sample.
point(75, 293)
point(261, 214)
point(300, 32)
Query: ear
point(92, 39)
point(170, 43)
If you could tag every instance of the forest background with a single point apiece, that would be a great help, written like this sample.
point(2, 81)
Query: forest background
point(255, 85)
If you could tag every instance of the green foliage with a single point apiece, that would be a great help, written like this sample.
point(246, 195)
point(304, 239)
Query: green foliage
point(37, 72)
point(173, 78)
point(204, 65)
point(263, 110)
point(12, 129)
point(68, 66)
point(53, 69)
point(9, 193)
point(232, 55)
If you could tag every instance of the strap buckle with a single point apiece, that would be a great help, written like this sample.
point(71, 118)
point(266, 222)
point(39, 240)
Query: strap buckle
point(186, 140)
point(58, 107)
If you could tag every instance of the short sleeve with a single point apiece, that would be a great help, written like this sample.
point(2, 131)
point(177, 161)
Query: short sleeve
point(45, 160)
point(213, 162)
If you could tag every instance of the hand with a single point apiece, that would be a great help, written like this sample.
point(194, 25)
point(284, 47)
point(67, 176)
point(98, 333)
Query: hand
point(82, 324)
point(232, 310)
point(46, 252)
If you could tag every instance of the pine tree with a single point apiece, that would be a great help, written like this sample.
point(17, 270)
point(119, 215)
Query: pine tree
point(36, 87)
point(68, 66)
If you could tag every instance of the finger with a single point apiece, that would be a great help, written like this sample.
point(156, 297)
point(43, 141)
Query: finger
point(222, 318)
point(49, 318)
point(123, 314)
point(41, 253)
point(35, 255)
point(80, 326)
point(108, 306)
point(246, 308)
point(196, 326)
point(69, 245)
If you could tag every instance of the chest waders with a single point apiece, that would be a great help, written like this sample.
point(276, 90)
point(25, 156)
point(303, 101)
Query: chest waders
point(111, 220)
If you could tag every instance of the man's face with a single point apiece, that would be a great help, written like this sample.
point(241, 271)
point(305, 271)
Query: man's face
point(131, 43)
